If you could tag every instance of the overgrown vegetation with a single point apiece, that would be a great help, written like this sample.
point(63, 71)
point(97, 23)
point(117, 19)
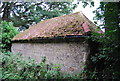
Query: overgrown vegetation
point(15, 67)
point(107, 60)
point(8, 32)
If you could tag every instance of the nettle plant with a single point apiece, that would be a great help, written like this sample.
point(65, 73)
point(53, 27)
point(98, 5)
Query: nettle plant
point(8, 31)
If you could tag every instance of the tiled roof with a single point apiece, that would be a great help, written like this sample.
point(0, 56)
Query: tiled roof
point(72, 24)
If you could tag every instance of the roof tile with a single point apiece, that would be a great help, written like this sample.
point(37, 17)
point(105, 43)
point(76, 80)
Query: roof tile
point(72, 24)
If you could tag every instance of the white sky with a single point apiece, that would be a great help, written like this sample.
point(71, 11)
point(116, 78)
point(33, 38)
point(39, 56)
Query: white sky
point(87, 11)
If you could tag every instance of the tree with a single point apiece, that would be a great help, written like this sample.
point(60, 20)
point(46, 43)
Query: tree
point(25, 13)
point(108, 56)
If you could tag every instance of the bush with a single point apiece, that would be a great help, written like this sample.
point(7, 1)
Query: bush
point(106, 61)
point(15, 67)
point(8, 32)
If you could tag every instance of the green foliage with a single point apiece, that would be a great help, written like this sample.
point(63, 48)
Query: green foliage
point(26, 13)
point(107, 60)
point(88, 3)
point(109, 42)
point(15, 66)
point(8, 32)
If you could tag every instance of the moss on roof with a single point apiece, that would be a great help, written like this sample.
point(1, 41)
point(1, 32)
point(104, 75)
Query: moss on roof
point(72, 24)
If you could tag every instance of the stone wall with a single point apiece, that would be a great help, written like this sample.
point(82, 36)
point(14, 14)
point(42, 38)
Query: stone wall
point(71, 55)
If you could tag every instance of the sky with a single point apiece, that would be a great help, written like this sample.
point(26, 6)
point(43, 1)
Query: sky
point(87, 11)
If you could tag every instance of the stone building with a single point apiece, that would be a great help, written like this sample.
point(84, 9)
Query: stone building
point(62, 40)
